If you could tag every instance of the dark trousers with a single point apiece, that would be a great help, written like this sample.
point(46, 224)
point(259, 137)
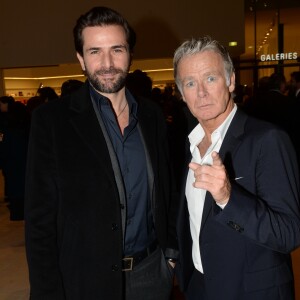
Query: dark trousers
point(195, 290)
point(152, 279)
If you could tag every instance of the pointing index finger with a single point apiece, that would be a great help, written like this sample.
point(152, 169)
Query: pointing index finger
point(216, 159)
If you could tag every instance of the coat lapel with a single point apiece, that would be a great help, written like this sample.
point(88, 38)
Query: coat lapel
point(230, 143)
point(145, 124)
point(146, 121)
point(83, 118)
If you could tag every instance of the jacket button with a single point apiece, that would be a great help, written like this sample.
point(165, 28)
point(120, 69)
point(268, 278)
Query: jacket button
point(235, 226)
point(114, 268)
point(114, 226)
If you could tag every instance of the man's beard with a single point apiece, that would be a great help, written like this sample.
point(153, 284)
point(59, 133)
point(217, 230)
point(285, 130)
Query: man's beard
point(108, 86)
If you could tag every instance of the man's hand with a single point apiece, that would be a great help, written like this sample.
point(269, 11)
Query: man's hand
point(172, 263)
point(213, 179)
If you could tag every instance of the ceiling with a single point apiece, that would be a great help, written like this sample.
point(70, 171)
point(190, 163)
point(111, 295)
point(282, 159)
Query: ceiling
point(266, 14)
point(270, 4)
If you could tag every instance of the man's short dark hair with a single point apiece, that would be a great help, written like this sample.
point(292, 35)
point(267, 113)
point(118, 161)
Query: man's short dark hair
point(102, 16)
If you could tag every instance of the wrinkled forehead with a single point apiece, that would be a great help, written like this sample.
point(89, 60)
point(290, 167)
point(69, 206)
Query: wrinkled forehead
point(201, 62)
point(112, 34)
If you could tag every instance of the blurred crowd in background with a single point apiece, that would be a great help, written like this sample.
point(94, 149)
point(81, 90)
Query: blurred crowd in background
point(277, 100)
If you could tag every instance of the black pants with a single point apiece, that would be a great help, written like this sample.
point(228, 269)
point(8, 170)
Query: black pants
point(195, 290)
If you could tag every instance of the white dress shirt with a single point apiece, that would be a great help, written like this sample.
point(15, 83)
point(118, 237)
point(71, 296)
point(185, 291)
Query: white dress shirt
point(195, 196)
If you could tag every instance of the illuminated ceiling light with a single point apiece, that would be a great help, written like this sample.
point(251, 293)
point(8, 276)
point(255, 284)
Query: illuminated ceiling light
point(232, 44)
point(73, 76)
point(42, 78)
point(159, 70)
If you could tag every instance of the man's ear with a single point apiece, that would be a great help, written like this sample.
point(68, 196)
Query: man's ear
point(81, 61)
point(232, 83)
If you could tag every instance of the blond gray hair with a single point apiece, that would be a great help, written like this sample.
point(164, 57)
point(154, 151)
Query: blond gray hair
point(194, 46)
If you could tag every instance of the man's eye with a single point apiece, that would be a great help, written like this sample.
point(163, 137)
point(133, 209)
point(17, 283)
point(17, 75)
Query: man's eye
point(211, 78)
point(94, 52)
point(119, 50)
point(190, 84)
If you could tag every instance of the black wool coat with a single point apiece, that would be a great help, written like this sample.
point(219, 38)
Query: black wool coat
point(72, 210)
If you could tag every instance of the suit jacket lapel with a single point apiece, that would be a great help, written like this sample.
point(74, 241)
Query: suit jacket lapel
point(230, 143)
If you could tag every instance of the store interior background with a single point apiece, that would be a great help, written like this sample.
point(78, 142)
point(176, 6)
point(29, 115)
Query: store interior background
point(36, 48)
point(37, 43)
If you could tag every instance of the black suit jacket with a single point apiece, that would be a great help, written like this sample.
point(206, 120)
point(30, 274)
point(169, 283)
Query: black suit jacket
point(73, 214)
point(245, 247)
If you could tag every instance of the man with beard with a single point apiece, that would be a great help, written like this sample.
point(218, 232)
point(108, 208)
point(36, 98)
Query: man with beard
point(100, 221)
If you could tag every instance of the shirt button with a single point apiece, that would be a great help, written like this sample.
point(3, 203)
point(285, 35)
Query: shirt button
point(114, 268)
point(122, 206)
point(114, 226)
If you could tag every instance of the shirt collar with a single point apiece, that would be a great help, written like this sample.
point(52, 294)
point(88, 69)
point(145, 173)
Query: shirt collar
point(197, 134)
point(102, 101)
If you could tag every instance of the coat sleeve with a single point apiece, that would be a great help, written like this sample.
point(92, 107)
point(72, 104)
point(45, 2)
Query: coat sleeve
point(264, 204)
point(41, 205)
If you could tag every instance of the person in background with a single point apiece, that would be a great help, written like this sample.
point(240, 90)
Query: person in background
point(293, 114)
point(70, 86)
point(139, 84)
point(6, 104)
point(294, 87)
point(239, 215)
point(13, 153)
point(100, 215)
point(33, 102)
point(275, 106)
point(47, 93)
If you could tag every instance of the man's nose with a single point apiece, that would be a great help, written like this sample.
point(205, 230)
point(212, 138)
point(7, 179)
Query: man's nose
point(107, 60)
point(202, 91)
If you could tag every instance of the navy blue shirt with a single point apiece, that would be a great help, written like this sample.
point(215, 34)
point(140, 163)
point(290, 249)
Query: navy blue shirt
point(129, 149)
